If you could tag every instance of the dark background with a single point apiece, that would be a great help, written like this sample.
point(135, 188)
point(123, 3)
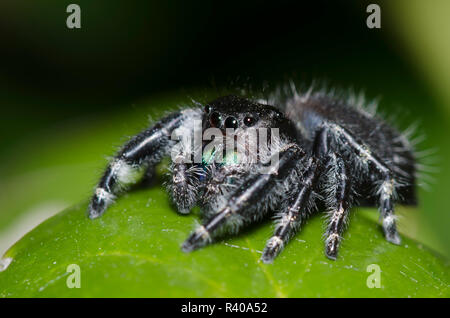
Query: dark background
point(127, 51)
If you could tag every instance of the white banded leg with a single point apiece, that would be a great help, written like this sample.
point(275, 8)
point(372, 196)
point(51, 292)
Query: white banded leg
point(386, 192)
point(142, 151)
point(338, 201)
point(297, 208)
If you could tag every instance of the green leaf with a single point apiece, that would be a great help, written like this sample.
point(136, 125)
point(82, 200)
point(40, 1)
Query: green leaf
point(134, 251)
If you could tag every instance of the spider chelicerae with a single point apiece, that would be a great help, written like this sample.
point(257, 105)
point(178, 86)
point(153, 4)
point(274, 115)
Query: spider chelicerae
point(319, 152)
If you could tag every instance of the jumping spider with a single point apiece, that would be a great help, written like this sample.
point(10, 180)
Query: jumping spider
point(332, 154)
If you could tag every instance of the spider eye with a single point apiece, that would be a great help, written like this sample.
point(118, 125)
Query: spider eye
point(215, 119)
point(231, 122)
point(208, 109)
point(278, 114)
point(249, 121)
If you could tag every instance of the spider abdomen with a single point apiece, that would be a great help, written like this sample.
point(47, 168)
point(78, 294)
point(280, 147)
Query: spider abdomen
point(373, 136)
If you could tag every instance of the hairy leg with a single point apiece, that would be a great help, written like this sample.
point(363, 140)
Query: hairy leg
point(239, 206)
point(386, 190)
point(338, 199)
point(387, 193)
point(185, 185)
point(296, 208)
point(142, 152)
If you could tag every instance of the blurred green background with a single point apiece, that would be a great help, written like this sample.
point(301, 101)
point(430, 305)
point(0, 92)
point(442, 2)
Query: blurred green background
point(68, 96)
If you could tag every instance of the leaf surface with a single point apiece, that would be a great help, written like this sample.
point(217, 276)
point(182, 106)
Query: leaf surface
point(134, 251)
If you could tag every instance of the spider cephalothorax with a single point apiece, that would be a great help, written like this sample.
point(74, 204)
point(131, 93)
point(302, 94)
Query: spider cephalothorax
point(318, 150)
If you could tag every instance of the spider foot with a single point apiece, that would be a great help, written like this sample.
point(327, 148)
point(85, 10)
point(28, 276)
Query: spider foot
point(200, 237)
point(94, 214)
point(272, 249)
point(393, 238)
point(101, 200)
point(331, 246)
point(96, 210)
point(390, 230)
point(183, 210)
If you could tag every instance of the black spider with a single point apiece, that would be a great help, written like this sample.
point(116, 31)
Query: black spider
point(328, 151)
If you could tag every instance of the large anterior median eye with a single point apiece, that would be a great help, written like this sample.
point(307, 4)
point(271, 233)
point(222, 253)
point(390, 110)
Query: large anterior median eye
point(208, 109)
point(231, 122)
point(215, 119)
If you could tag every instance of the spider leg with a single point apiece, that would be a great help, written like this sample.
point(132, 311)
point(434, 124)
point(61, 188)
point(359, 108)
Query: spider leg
point(387, 189)
point(185, 185)
point(256, 188)
point(338, 200)
point(386, 192)
point(219, 186)
point(143, 151)
point(292, 214)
